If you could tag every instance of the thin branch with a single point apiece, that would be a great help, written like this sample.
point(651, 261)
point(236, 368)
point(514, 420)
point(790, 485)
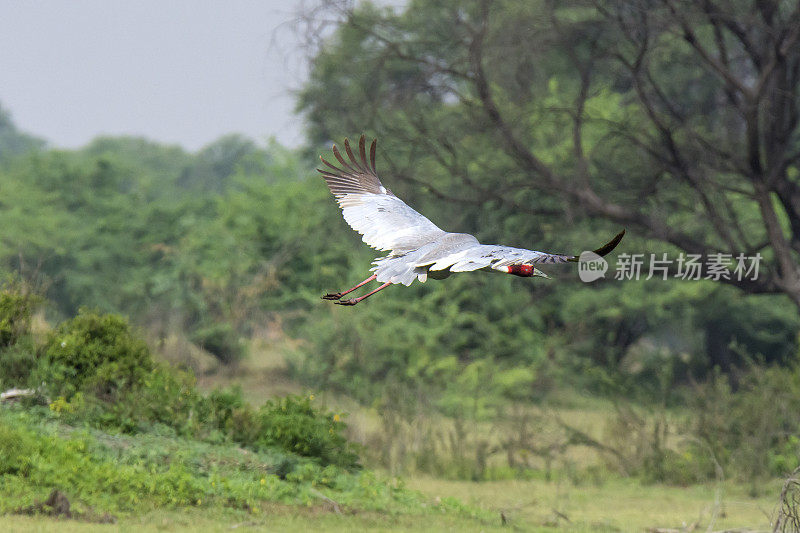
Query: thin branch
point(691, 38)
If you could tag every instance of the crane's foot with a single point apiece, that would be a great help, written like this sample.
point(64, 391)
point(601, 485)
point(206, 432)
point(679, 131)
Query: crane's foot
point(351, 301)
point(332, 296)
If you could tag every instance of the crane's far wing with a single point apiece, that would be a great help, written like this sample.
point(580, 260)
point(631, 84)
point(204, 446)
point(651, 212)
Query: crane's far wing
point(383, 219)
point(478, 256)
point(517, 256)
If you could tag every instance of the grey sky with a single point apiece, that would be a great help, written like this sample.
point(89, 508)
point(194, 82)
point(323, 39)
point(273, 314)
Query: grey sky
point(178, 71)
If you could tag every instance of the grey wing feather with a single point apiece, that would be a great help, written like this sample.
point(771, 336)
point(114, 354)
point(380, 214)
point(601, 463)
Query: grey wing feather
point(384, 220)
point(497, 257)
point(504, 256)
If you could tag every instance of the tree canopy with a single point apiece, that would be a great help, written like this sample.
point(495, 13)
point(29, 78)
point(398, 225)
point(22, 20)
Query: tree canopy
point(678, 120)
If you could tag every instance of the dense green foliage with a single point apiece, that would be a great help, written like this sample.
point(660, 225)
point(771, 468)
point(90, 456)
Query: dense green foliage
point(294, 424)
point(101, 374)
point(540, 123)
point(95, 352)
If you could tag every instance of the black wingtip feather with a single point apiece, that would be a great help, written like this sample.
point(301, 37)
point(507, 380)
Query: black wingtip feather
point(608, 247)
point(605, 249)
point(341, 160)
point(362, 151)
point(372, 150)
point(352, 157)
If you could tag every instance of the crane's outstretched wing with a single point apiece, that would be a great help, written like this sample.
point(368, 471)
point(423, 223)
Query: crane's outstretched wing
point(383, 219)
point(416, 244)
point(480, 256)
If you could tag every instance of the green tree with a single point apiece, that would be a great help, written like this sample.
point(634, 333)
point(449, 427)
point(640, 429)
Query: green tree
point(551, 124)
point(676, 119)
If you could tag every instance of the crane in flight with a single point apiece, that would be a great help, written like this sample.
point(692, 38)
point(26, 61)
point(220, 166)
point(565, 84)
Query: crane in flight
point(418, 249)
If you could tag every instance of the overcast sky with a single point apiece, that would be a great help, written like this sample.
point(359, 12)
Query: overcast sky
point(177, 71)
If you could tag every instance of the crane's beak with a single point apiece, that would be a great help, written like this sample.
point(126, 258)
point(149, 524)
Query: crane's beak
point(538, 273)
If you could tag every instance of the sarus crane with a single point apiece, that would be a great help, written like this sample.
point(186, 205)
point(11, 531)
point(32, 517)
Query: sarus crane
point(418, 249)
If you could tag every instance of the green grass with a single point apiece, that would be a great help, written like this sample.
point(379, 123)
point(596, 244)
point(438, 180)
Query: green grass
point(618, 505)
point(153, 482)
point(276, 519)
point(613, 504)
point(134, 474)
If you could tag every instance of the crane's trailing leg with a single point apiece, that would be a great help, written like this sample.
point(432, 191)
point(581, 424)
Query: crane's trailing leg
point(354, 301)
point(337, 295)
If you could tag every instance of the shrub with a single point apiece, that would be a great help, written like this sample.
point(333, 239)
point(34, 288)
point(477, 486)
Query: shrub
point(231, 414)
point(165, 401)
point(102, 375)
point(295, 425)
point(95, 352)
point(221, 340)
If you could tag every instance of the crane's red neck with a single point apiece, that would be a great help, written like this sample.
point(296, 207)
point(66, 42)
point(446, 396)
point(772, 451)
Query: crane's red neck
point(523, 271)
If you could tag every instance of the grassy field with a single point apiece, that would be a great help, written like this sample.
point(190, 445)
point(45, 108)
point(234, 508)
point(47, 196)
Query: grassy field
point(614, 505)
point(618, 505)
point(610, 503)
point(595, 499)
